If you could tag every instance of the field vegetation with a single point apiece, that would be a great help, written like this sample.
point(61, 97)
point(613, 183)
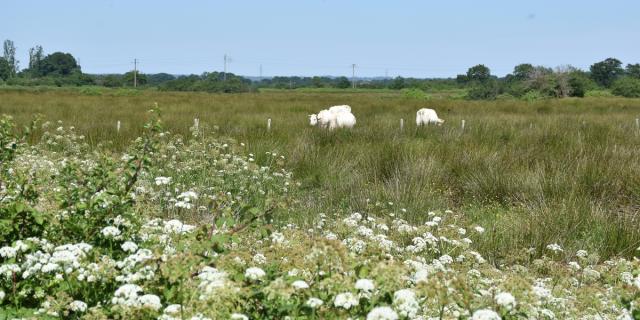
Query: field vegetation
point(563, 171)
point(201, 226)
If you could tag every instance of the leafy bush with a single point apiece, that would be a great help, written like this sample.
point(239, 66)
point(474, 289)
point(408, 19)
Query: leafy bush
point(487, 90)
point(533, 95)
point(626, 87)
point(598, 94)
point(415, 93)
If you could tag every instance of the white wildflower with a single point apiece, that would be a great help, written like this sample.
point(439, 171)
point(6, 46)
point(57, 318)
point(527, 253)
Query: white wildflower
point(254, 273)
point(300, 284)
point(8, 252)
point(485, 314)
point(111, 232)
point(259, 258)
point(129, 246)
point(406, 303)
point(382, 313)
point(162, 180)
point(365, 285)
point(555, 247)
point(78, 306)
point(150, 301)
point(173, 309)
point(345, 300)
point(506, 300)
point(313, 303)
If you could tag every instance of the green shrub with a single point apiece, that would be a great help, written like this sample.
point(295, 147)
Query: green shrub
point(598, 94)
point(532, 96)
point(415, 93)
point(626, 87)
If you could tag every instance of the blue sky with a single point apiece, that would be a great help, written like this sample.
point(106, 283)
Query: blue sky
point(324, 37)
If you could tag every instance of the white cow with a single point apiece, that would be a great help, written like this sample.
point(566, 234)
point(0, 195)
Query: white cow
point(342, 108)
point(334, 117)
point(426, 116)
point(344, 120)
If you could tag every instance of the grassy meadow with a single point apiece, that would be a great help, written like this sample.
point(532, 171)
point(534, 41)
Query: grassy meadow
point(552, 171)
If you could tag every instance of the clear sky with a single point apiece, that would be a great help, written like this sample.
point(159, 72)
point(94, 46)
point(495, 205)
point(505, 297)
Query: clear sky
point(324, 37)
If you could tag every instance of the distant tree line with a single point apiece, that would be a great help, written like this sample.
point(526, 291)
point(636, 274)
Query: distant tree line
point(531, 82)
point(525, 82)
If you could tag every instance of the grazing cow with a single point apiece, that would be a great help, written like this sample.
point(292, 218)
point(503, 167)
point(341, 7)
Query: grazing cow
point(426, 116)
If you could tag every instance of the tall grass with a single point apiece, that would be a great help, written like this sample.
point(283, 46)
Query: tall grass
point(565, 171)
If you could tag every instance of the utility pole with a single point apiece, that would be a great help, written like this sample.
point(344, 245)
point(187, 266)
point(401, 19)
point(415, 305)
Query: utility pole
point(135, 73)
point(224, 74)
point(260, 72)
point(353, 75)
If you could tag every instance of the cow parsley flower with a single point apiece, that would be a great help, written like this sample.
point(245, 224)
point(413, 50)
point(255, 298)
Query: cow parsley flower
point(111, 232)
point(555, 247)
point(78, 306)
point(2, 295)
point(254, 273)
point(129, 246)
point(485, 314)
point(506, 300)
point(382, 313)
point(365, 285)
point(150, 301)
point(346, 300)
point(162, 180)
point(300, 284)
point(8, 252)
point(259, 258)
point(211, 279)
point(406, 303)
point(238, 316)
point(127, 295)
point(313, 303)
point(173, 309)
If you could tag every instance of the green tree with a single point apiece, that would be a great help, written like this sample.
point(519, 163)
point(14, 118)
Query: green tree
point(36, 55)
point(5, 69)
point(59, 64)
point(398, 83)
point(159, 78)
point(479, 73)
point(343, 83)
point(127, 78)
point(523, 71)
point(112, 80)
point(462, 79)
point(317, 82)
point(580, 83)
point(626, 87)
point(607, 71)
point(487, 90)
point(633, 70)
point(10, 56)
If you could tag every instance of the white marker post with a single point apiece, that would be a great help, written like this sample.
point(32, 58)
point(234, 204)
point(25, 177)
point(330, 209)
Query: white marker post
point(269, 124)
point(638, 124)
point(196, 124)
point(463, 123)
point(401, 124)
point(118, 126)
